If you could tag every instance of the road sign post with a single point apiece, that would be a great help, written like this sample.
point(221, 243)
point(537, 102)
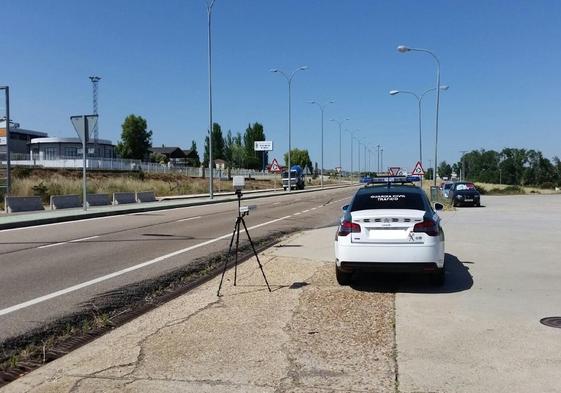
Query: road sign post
point(263, 146)
point(275, 168)
point(419, 171)
point(83, 124)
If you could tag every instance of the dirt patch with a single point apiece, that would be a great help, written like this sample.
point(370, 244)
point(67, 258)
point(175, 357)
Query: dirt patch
point(341, 339)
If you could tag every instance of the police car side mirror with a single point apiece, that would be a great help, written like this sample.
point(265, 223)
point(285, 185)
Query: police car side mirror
point(344, 208)
point(438, 206)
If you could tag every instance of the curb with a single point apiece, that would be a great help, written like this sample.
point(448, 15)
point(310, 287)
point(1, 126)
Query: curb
point(140, 209)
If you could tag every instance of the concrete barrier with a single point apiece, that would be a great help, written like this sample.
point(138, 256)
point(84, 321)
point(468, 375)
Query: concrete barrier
point(146, 196)
point(65, 201)
point(22, 204)
point(99, 199)
point(120, 198)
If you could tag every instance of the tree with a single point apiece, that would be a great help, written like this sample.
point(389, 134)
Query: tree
point(238, 151)
point(135, 141)
point(195, 153)
point(444, 170)
point(253, 133)
point(428, 174)
point(158, 158)
point(299, 157)
point(217, 144)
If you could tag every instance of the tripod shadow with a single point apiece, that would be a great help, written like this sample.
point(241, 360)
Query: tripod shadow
point(458, 279)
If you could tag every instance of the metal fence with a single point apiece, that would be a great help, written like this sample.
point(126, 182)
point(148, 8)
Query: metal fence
point(117, 164)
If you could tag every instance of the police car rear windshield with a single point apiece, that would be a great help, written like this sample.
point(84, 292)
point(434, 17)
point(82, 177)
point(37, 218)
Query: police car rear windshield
point(388, 200)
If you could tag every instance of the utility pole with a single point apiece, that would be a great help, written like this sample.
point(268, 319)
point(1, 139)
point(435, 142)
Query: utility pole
point(463, 165)
point(378, 159)
point(95, 81)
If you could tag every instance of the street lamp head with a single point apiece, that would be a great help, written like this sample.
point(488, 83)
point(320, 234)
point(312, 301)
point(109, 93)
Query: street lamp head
point(403, 49)
point(331, 102)
point(444, 87)
point(394, 92)
point(274, 70)
point(303, 68)
point(311, 102)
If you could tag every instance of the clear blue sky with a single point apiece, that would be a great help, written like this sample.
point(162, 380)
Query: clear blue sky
point(502, 60)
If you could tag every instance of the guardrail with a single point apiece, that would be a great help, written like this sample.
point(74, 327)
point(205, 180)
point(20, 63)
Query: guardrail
point(14, 204)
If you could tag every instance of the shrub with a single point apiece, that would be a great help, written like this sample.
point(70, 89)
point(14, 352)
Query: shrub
point(482, 190)
point(547, 185)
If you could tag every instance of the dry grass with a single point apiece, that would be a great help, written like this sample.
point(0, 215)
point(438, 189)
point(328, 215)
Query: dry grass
point(64, 182)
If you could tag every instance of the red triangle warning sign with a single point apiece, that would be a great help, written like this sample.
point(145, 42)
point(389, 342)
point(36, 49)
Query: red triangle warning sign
point(418, 171)
point(275, 166)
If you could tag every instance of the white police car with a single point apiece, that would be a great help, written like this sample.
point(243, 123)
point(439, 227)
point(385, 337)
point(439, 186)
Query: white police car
point(390, 225)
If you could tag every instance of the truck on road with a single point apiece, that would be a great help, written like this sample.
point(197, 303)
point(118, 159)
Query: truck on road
point(296, 178)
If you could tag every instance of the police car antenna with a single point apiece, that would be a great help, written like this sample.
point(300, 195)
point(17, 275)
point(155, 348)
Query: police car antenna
point(239, 183)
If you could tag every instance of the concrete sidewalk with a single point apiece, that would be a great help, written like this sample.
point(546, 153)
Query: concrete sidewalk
point(308, 335)
point(18, 220)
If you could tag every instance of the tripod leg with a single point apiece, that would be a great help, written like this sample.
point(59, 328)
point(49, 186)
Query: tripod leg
point(255, 253)
point(237, 249)
point(236, 229)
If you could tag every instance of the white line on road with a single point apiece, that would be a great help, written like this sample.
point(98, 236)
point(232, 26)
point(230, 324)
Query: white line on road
point(188, 219)
point(73, 288)
point(70, 241)
point(83, 239)
point(305, 211)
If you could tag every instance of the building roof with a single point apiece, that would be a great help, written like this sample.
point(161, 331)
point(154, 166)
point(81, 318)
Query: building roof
point(173, 151)
point(15, 129)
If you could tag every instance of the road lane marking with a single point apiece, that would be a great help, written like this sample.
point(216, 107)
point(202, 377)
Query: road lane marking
point(188, 219)
point(83, 239)
point(305, 211)
point(97, 280)
point(70, 241)
point(297, 214)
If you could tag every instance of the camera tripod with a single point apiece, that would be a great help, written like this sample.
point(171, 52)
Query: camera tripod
point(240, 221)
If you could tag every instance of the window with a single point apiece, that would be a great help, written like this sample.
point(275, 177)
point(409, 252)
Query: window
point(50, 153)
point(71, 152)
point(388, 200)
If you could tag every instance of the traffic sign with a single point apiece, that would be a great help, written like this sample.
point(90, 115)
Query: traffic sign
point(263, 145)
point(275, 166)
point(418, 171)
point(393, 170)
point(83, 124)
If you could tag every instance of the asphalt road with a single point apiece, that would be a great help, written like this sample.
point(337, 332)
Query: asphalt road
point(52, 270)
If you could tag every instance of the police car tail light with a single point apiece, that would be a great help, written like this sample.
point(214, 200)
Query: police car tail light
point(348, 227)
point(427, 226)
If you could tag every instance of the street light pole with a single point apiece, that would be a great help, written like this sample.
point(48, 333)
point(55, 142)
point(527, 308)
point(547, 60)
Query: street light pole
point(378, 159)
point(340, 123)
point(382, 158)
point(289, 80)
point(352, 137)
point(322, 109)
point(209, 5)
point(8, 153)
point(419, 103)
point(463, 175)
point(404, 49)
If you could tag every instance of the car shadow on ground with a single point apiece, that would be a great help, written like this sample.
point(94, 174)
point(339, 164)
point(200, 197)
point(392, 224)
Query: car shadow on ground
point(458, 279)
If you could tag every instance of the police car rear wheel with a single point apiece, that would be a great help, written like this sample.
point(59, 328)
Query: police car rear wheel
point(343, 278)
